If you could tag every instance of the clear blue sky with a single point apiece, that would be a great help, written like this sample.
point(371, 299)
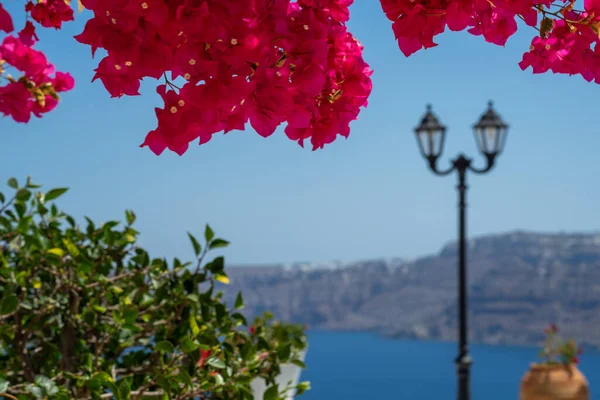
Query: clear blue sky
point(368, 196)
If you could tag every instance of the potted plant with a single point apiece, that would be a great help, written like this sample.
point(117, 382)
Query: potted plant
point(557, 376)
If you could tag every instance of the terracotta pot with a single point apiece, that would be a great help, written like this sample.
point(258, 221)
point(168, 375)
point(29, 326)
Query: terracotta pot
point(554, 382)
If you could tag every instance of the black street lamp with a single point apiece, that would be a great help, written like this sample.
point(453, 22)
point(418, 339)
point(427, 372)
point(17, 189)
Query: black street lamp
point(490, 135)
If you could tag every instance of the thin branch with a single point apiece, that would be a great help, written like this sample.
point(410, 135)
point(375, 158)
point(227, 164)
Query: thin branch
point(199, 265)
point(118, 277)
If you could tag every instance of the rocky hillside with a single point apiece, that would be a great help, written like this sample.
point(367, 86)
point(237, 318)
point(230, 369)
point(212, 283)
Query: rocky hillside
point(519, 282)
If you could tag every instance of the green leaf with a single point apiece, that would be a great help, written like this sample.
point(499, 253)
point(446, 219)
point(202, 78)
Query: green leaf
point(285, 351)
point(299, 363)
point(195, 244)
point(47, 384)
point(271, 393)
point(208, 234)
point(23, 195)
point(36, 391)
point(12, 182)
point(239, 301)
point(218, 243)
point(185, 378)
point(194, 325)
point(302, 387)
point(8, 304)
point(130, 215)
point(130, 316)
point(114, 389)
point(165, 346)
point(57, 252)
point(73, 250)
point(124, 390)
point(94, 384)
point(115, 289)
point(31, 185)
point(55, 193)
point(99, 308)
point(215, 362)
point(219, 380)
point(222, 278)
point(103, 377)
point(239, 317)
point(188, 345)
point(3, 385)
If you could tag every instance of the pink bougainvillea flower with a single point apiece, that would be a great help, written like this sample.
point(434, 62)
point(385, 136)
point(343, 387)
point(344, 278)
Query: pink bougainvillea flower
point(592, 6)
point(27, 35)
point(338, 10)
point(63, 82)
point(459, 14)
point(14, 101)
point(31, 62)
point(50, 13)
point(117, 78)
point(6, 23)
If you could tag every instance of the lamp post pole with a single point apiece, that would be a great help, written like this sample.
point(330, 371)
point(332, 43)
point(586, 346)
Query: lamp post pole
point(463, 361)
point(490, 134)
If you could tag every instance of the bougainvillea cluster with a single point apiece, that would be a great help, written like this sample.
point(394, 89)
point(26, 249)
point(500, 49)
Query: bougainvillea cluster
point(224, 64)
point(35, 87)
point(566, 43)
point(262, 62)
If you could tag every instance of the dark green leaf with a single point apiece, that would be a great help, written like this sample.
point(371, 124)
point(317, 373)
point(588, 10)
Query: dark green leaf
point(124, 390)
point(195, 244)
point(130, 316)
point(130, 215)
point(239, 317)
point(114, 389)
point(208, 234)
point(23, 195)
point(272, 393)
point(284, 351)
point(13, 183)
point(94, 384)
point(218, 243)
point(299, 363)
point(217, 265)
point(185, 378)
point(165, 346)
point(8, 304)
point(164, 383)
point(55, 193)
point(239, 301)
point(188, 345)
point(31, 185)
point(215, 362)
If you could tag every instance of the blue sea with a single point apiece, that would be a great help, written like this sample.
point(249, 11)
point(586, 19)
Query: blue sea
point(357, 366)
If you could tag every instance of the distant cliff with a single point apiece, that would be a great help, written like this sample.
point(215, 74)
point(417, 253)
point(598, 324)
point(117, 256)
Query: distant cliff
point(519, 282)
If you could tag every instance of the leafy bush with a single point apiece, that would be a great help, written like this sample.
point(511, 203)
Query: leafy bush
point(87, 314)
